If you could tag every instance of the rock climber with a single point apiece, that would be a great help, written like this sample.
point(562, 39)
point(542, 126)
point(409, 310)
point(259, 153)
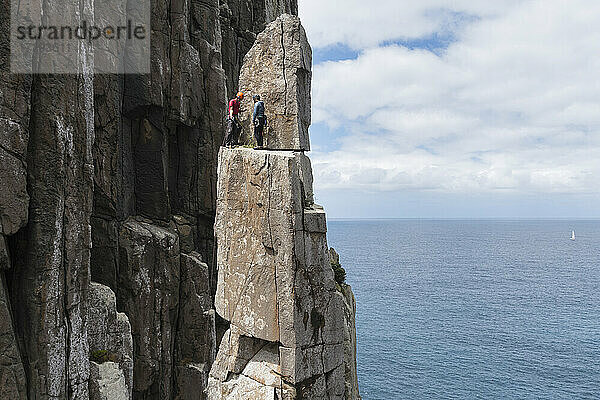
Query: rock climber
point(259, 119)
point(234, 126)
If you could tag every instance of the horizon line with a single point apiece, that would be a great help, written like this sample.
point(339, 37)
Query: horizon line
point(463, 218)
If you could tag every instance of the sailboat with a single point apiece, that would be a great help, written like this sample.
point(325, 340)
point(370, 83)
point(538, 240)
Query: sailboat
point(572, 235)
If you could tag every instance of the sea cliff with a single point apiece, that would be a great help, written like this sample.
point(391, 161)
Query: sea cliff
point(125, 229)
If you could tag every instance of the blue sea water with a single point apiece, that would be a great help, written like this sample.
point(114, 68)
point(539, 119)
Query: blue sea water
point(474, 309)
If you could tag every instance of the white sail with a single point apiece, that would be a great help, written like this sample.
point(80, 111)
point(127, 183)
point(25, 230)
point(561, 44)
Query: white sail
point(572, 235)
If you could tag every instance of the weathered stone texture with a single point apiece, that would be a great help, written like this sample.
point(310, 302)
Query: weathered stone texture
point(13, 384)
point(351, 391)
point(156, 152)
point(276, 288)
point(241, 21)
point(260, 199)
point(4, 257)
point(275, 283)
point(148, 293)
point(255, 366)
point(13, 202)
point(46, 132)
point(15, 100)
point(110, 331)
point(196, 338)
point(117, 176)
point(191, 381)
point(278, 68)
point(107, 382)
point(52, 272)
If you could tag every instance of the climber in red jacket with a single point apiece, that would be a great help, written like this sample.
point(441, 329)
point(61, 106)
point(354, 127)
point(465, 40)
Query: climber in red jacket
point(234, 126)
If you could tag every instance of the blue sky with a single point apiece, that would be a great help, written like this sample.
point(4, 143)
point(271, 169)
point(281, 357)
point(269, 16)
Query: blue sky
point(456, 108)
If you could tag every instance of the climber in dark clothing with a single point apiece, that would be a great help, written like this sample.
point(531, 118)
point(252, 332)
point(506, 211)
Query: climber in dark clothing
point(259, 119)
point(234, 125)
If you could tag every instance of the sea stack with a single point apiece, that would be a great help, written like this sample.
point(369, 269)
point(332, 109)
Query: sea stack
point(275, 285)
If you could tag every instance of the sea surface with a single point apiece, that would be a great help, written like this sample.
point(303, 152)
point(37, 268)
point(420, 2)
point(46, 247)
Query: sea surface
point(474, 309)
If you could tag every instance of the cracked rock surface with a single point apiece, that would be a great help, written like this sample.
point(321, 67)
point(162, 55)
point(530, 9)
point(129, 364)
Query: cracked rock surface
point(279, 69)
point(110, 332)
point(113, 179)
point(275, 283)
point(107, 382)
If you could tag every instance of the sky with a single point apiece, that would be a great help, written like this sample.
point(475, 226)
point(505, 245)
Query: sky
point(452, 109)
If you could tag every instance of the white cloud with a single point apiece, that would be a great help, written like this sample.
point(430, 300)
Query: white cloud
point(513, 105)
point(360, 24)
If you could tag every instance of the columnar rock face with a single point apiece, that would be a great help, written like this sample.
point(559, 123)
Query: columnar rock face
point(149, 294)
point(241, 21)
point(275, 283)
point(350, 356)
point(351, 391)
point(155, 153)
point(12, 374)
point(195, 344)
point(117, 176)
point(278, 68)
point(166, 293)
point(51, 254)
point(15, 99)
point(109, 336)
point(46, 131)
point(15, 111)
point(264, 193)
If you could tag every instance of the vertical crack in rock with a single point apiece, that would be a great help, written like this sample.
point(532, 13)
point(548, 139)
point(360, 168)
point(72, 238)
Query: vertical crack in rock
point(297, 308)
point(271, 240)
point(283, 64)
point(278, 68)
point(102, 151)
point(174, 355)
point(65, 290)
point(13, 382)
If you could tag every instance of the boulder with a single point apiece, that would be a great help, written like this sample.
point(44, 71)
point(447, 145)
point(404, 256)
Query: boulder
point(246, 368)
point(278, 68)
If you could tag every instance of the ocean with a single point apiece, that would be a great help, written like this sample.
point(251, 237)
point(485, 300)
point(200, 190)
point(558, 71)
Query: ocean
point(474, 309)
